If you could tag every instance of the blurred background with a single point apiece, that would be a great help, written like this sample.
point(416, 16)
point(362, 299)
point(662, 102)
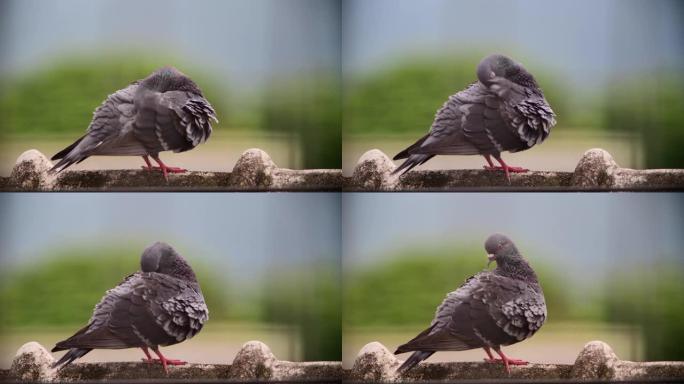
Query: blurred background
point(268, 265)
point(612, 70)
point(611, 267)
point(270, 68)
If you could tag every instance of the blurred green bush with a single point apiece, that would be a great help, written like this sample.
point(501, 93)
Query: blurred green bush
point(651, 105)
point(309, 107)
point(310, 300)
point(651, 296)
point(403, 98)
point(64, 288)
point(60, 99)
point(407, 288)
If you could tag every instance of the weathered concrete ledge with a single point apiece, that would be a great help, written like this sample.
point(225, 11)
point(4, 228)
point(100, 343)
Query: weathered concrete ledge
point(254, 362)
point(596, 361)
point(374, 363)
point(254, 171)
point(596, 170)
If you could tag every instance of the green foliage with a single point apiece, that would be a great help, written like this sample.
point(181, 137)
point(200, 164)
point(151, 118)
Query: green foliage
point(406, 289)
point(650, 296)
point(308, 106)
point(63, 289)
point(652, 105)
point(310, 300)
point(61, 98)
point(405, 98)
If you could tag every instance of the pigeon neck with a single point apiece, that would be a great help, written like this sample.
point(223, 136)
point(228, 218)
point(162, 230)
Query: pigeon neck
point(164, 82)
point(516, 268)
point(182, 270)
point(525, 79)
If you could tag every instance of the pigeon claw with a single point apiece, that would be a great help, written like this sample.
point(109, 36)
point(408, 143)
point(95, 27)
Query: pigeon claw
point(165, 169)
point(503, 167)
point(507, 361)
point(510, 361)
point(164, 361)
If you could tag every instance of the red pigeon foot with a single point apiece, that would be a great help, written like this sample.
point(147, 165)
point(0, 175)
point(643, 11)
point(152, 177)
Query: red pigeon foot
point(168, 169)
point(510, 361)
point(510, 169)
point(505, 167)
point(168, 361)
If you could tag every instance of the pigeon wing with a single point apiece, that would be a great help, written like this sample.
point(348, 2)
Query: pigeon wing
point(469, 123)
point(107, 133)
point(99, 332)
point(506, 310)
point(174, 120)
point(452, 327)
point(178, 309)
point(527, 116)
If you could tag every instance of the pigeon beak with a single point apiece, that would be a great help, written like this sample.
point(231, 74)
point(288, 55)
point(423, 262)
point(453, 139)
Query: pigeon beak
point(491, 257)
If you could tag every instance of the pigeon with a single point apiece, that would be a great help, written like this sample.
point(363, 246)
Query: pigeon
point(491, 309)
point(165, 111)
point(160, 305)
point(504, 111)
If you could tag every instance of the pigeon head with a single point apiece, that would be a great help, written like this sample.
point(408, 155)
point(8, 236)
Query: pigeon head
point(497, 65)
point(162, 258)
point(170, 79)
point(509, 262)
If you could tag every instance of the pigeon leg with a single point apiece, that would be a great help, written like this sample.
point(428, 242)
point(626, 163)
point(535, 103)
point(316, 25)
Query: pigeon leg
point(147, 353)
point(491, 165)
point(166, 361)
point(491, 358)
point(149, 165)
point(507, 360)
point(166, 169)
point(505, 167)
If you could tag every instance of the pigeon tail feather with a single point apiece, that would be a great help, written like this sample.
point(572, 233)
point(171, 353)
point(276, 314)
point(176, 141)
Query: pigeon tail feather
point(69, 357)
point(75, 153)
point(413, 360)
point(61, 154)
point(412, 161)
point(407, 152)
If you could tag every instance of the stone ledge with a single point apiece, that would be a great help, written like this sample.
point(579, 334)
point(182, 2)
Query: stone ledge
point(596, 170)
point(254, 362)
point(254, 171)
point(374, 363)
point(596, 361)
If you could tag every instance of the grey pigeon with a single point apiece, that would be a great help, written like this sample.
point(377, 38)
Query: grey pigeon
point(166, 111)
point(160, 305)
point(490, 310)
point(504, 111)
